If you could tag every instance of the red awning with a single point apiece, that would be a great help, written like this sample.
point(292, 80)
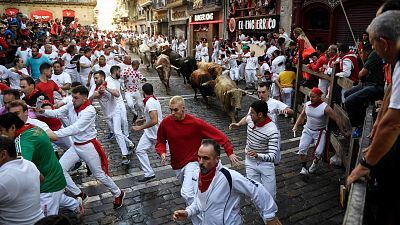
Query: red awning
point(42, 15)
point(68, 13)
point(206, 22)
point(11, 11)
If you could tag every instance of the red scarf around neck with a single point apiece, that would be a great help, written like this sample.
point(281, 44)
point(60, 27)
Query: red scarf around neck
point(83, 106)
point(266, 121)
point(147, 98)
point(38, 56)
point(206, 179)
point(22, 129)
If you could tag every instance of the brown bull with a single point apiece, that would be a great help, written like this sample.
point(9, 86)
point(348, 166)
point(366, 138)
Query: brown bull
point(214, 69)
point(229, 95)
point(163, 67)
point(204, 82)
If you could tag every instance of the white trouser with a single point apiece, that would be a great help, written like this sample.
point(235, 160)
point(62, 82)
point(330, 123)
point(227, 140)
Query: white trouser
point(132, 99)
point(234, 73)
point(263, 172)
point(214, 57)
point(251, 77)
point(185, 177)
point(51, 202)
point(124, 119)
point(73, 73)
point(182, 53)
point(64, 143)
point(145, 144)
point(116, 124)
point(242, 70)
point(205, 58)
point(287, 96)
point(312, 136)
point(90, 156)
point(323, 86)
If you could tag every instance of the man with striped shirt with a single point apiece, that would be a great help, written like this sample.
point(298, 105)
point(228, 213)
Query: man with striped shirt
point(261, 145)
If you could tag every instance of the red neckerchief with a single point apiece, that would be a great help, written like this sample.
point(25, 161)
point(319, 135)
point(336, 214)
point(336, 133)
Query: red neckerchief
point(315, 105)
point(38, 56)
point(22, 129)
point(47, 52)
point(147, 98)
point(23, 48)
point(206, 179)
point(83, 106)
point(102, 65)
point(266, 121)
point(98, 86)
point(87, 58)
point(29, 96)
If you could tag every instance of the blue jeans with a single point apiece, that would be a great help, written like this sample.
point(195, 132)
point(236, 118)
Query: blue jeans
point(356, 99)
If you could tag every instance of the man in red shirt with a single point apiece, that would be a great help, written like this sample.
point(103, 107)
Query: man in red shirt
point(46, 86)
point(184, 133)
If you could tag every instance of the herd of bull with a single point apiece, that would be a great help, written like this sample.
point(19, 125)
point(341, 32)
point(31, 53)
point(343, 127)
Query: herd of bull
point(207, 78)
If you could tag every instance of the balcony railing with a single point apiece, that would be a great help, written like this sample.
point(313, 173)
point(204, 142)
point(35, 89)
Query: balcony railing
point(245, 9)
point(198, 4)
point(159, 4)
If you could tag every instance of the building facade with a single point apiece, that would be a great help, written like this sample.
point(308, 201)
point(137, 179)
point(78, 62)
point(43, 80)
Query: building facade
point(46, 10)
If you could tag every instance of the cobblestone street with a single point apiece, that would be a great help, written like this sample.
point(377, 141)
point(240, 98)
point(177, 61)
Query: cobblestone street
point(314, 200)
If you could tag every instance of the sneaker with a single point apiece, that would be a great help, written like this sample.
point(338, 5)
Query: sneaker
point(313, 167)
point(119, 200)
point(82, 196)
point(303, 171)
point(357, 132)
point(125, 160)
point(146, 179)
point(135, 117)
point(110, 136)
point(131, 148)
point(80, 210)
point(335, 160)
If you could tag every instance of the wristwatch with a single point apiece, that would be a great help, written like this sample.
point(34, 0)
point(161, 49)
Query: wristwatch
point(364, 163)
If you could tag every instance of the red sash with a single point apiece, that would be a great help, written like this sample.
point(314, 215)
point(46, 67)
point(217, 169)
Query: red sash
point(22, 129)
point(83, 106)
point(206, 179)
point(147, 98)
point(100, 151)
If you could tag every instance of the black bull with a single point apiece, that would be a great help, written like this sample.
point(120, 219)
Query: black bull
point(184, 66)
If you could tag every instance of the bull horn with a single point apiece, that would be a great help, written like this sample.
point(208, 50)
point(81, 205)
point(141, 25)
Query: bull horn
point(158, 67)
point(174, 67)
point(206, 83)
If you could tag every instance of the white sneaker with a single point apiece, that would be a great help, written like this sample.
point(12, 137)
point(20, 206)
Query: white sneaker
point(335, 161)
point(313, 167)
point(303, 171)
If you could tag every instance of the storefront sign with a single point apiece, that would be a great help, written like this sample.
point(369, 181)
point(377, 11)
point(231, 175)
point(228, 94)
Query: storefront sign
point(68, 13)
point(161, 16)
point(259, 23)
point(42, 15)
point(203, 17)
point(179, 15)
point(11, 11)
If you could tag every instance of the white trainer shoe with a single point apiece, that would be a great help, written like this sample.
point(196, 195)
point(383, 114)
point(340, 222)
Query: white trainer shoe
point(303, 171)
point(80, 210)
point(313, 167)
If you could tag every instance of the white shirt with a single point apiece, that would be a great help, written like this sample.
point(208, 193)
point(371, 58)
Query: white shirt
point(117, 85)
point(53, 56)
point(271, 50)
point(278, 64)
point(61, 79)
point(98, 53)
point(110, 59)
point(82, 126)
point(274, 106)
point(14, 78)
point(395, 96)
point(24, 55)
point(252, 63)
point(264, 67)
point(106, 69)
point(42, 125)
point(107, 101)
point(53, 49)
point(316, 118)
point(20, 193)
point(152, 105)
point(85, 71)
point(204, 51)
point(66, 57)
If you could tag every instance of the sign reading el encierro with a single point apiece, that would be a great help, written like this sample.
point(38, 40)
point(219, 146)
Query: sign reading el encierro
point(262, 23)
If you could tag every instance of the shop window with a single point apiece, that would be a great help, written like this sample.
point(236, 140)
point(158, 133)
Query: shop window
point(200, 28)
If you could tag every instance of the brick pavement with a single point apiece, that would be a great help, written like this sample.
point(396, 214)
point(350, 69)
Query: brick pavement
point(311, 200)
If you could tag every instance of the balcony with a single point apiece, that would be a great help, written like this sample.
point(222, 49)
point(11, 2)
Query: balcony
point(175, 3)
point(159, 5)
point(246, 9)
point(88, 2)
point(145, 3)
point(198, 4)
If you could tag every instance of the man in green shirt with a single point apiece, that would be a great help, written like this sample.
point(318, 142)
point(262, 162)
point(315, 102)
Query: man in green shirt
point(34, 145)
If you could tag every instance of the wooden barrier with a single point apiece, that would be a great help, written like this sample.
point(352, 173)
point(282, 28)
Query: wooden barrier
point(356, 200)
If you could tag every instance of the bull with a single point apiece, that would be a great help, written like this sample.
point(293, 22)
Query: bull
point(229, 95)
point(184, 66)
point(163, 67)
point(145, 55)
point(213, 68)
point(204, 82)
